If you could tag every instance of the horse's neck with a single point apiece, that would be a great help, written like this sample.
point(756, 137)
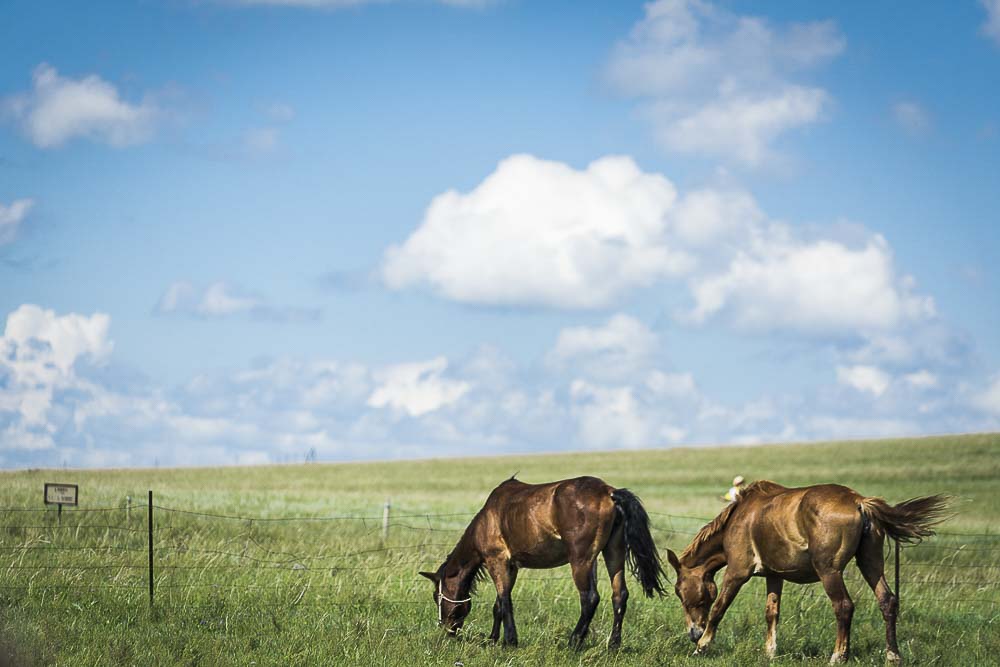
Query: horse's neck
point(466, 554)
point(710, 554)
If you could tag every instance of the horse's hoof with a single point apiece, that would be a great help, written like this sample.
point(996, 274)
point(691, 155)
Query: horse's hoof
point(838, 658)
point(892, 658)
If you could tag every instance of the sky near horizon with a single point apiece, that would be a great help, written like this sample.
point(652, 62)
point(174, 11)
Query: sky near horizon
point(241, 231)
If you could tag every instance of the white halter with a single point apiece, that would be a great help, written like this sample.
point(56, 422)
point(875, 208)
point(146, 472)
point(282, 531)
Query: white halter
point(442, 598)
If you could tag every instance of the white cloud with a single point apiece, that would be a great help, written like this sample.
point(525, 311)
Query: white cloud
point(867, 379)
point(622, 345)
point(717, 83)
point(221, 300)
point(610, 417)
point(417, 388)
point(988, 400)
point(11, 217)
point(912, 117)
point(537, 232)
point(922, 379)
point(38, 354)
point(991, 28)
point(217, 300)
point(740, 126)
point(665, 385)
point(710, 218)
point(542, 233)
point(58, 109)
point(821, 287)
point(56, 405)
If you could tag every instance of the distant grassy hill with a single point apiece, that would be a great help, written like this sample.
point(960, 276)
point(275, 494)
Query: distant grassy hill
point(277, 591)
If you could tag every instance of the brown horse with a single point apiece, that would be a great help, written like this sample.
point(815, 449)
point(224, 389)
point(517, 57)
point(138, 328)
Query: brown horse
point(800, 535)
point(543, 526)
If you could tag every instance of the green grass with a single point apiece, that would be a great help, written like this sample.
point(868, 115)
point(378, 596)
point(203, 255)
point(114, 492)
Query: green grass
point(234, 592)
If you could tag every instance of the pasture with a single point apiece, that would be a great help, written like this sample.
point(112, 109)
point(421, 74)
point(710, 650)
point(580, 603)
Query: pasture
point(291, 567)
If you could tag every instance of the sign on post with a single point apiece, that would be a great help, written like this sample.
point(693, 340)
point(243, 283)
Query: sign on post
point(61, 494)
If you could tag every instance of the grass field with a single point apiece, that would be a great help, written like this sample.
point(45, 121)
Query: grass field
point(289, 592)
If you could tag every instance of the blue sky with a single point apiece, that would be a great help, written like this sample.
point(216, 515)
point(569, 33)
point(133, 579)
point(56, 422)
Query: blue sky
point(236, 231)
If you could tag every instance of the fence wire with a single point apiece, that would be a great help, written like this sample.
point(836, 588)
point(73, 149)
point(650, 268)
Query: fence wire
point(953, 568)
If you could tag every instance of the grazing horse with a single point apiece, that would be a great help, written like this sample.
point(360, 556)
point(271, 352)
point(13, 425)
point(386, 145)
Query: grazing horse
point(543, 526)
point(800, 535)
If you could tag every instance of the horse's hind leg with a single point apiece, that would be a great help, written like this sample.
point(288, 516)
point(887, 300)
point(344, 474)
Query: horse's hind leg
point(771, 613)
point(872, 566)
point(585, 578)
point(843, 608)
point(614, 559)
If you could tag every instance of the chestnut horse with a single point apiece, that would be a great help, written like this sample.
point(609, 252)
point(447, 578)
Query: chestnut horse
point(800, 535)
point(543, 526)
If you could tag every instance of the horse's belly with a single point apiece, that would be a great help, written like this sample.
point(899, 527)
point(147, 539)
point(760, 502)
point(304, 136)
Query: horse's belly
point(547, 553)
point(790, 563)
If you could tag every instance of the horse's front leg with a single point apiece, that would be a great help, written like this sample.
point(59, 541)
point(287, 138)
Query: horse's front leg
point(497, 618)
point(585, 578)
point(504, 574)
point(771, 613)
point(731, 584)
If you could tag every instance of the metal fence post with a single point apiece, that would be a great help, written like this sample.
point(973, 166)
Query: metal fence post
point(385, 520)
point(898, 598)
point(149, 524)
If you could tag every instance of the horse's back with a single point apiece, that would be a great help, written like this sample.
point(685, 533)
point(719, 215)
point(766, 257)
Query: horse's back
point(533, 520)
point(792, 527)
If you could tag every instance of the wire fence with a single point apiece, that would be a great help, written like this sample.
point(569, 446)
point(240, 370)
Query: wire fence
point(182, 550)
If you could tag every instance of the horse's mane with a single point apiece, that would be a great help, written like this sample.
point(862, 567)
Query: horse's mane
point(463, 553)
point(473, 578)
point(715, 526)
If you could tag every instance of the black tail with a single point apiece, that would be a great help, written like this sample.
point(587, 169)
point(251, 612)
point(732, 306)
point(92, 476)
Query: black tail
point(640, 551)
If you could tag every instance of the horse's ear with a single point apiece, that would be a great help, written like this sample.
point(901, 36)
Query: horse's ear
point(674, 561)
point(430, 575)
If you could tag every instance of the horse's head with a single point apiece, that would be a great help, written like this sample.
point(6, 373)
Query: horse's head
point(695, 587)
point(451, 597)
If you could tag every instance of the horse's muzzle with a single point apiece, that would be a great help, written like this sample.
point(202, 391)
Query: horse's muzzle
point(695, 633)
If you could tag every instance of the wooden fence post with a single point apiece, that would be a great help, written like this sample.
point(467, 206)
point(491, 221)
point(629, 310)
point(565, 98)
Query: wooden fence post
point(385, 520)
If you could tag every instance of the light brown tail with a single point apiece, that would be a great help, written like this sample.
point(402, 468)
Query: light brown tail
point(911, 520)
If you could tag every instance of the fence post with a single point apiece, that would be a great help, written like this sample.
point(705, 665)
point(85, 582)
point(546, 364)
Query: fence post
point(385, 520)
point(128, 509)
point(149, 524)
point(898, 598)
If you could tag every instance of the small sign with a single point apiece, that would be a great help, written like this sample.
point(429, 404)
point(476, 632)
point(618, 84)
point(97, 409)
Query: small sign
point(61, 494)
